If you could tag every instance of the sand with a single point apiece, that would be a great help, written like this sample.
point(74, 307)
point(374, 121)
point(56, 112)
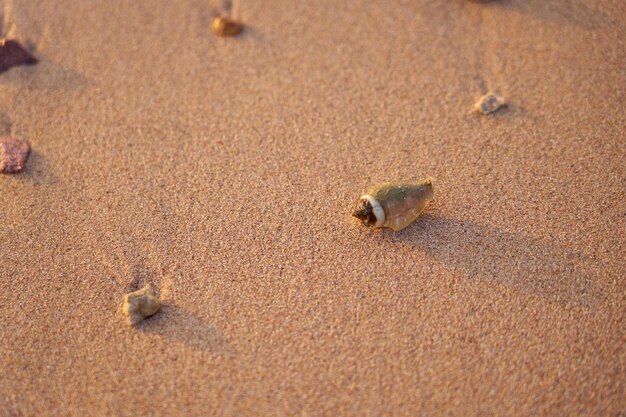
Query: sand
point(222, 172)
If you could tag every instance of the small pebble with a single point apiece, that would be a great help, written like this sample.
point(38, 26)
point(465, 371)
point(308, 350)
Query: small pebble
point(13, 54)
point(223, 26)
point(140, 304)
point(489, 103)
point(13, 155)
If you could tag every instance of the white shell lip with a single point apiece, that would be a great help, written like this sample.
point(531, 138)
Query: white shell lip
point(378, 210)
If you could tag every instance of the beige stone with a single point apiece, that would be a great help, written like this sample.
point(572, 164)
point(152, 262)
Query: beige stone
point(489, 103)
point(225, 27)
point(140, 304)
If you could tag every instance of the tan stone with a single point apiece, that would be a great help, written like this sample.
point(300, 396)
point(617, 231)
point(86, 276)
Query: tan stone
point(489, 103)
point(225, 27)
point(140, 304)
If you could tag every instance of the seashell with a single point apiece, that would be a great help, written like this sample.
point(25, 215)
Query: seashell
point(489, 103)
point(394, 205)
point(140, 304)
point(13, 155)
point(226, 27)
point(13, 54)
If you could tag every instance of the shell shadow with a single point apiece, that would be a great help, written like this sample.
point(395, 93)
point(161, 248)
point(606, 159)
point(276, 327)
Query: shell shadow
point(571, 12)
point(540, 267)
point(179, 325)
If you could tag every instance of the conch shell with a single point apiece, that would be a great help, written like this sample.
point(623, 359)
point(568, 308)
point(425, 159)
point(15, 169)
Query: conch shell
point(394, 205)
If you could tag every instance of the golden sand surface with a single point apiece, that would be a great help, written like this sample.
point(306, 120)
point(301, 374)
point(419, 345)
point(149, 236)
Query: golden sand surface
point(223, 171)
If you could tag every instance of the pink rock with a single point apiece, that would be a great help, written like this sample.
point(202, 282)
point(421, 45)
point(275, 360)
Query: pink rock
point(13, 155)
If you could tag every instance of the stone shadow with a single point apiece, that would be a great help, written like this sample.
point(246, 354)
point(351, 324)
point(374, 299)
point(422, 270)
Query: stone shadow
point(179, 325)
point(46, 75)
point(37, 170)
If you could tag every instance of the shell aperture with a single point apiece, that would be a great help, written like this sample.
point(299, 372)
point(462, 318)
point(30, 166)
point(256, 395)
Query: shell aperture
point(394, 205)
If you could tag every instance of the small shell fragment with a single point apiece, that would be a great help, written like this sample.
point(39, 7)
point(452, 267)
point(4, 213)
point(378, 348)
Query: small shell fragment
point(394, 205)
point(140, 304)
point(489, 103)
point(13, 54)
point(226, 27)
point(13, 155)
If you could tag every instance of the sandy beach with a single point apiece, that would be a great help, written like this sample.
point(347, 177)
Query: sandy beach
point(223, 171)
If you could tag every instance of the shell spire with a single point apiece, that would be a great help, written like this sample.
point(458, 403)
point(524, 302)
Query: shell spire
point(394, 205)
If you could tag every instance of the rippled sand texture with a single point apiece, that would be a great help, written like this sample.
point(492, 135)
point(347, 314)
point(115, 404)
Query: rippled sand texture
point(223, 171)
